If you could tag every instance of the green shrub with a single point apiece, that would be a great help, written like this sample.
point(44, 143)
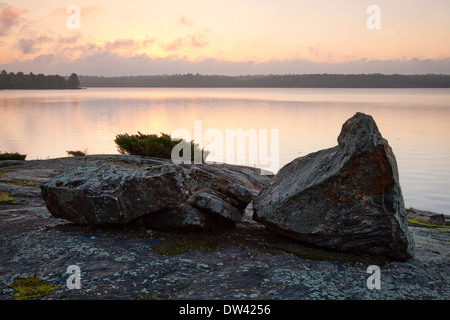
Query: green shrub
point(153, 146)
point(77, 153)
point(12, 156)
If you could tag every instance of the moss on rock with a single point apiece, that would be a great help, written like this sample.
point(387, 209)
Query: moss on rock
point(426, 224)
point(182, 246)
point(6, 198)
point(31, 287)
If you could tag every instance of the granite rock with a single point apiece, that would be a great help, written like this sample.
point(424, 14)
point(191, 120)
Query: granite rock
point(157, 192)
point(103, 192)
point(345, 198)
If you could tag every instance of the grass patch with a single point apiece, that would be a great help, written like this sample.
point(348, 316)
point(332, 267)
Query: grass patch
point(185, 245)
point(19, 182)
point(6, 198)
point(148, 298)
point(35, 184)
point(12, 156)
point(31, 287)
point(426, 224)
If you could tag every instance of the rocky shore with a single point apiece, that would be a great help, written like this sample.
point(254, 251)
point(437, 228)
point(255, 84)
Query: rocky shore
point(249, 261)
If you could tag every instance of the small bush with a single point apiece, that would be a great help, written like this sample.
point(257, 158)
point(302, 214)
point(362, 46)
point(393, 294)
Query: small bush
point(12, 156)
point(153, 146)
point(77, 153)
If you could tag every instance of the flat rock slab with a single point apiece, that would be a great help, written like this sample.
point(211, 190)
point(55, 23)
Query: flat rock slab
point(248, 262)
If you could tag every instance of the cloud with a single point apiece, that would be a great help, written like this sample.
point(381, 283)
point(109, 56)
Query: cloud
point(174, 45)
point(192, 41)
point(73, 39)
point(198, 40)
point(120, 44)
point(10, 17)
point(27, 46)
point(185, 21)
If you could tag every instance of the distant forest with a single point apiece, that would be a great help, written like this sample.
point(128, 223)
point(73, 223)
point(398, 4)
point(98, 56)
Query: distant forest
point(39, 81)
point(273, 81)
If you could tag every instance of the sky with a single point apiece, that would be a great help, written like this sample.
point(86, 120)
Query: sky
point(232, 37)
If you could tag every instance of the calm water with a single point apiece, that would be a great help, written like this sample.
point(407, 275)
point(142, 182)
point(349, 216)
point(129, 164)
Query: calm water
point(416, 122)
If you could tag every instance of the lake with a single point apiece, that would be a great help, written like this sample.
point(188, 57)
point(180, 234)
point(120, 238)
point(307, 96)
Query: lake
point(289, 123)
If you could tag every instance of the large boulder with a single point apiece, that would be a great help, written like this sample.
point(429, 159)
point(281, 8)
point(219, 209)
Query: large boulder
point(346, 198)
point(160, 194)
point(102, 192)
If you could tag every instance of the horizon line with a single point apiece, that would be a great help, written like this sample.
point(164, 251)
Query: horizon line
point(268, 75)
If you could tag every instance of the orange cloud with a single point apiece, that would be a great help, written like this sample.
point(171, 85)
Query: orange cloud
point(194, 41)
point(10, 17)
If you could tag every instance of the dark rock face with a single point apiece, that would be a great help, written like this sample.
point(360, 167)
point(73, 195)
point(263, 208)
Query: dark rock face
point(101, 192)
point(346, 198)
point(163, 196)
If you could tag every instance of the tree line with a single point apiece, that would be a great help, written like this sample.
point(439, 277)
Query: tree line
point(376, 80)
point(37, 81)
point(273, 81)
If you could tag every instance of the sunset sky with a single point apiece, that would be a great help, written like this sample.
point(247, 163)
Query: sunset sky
point(224, 37)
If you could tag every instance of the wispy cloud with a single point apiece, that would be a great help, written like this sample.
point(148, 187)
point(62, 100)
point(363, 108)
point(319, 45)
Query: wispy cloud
point(174, 45)
point(197, 40)
point(185, 21)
